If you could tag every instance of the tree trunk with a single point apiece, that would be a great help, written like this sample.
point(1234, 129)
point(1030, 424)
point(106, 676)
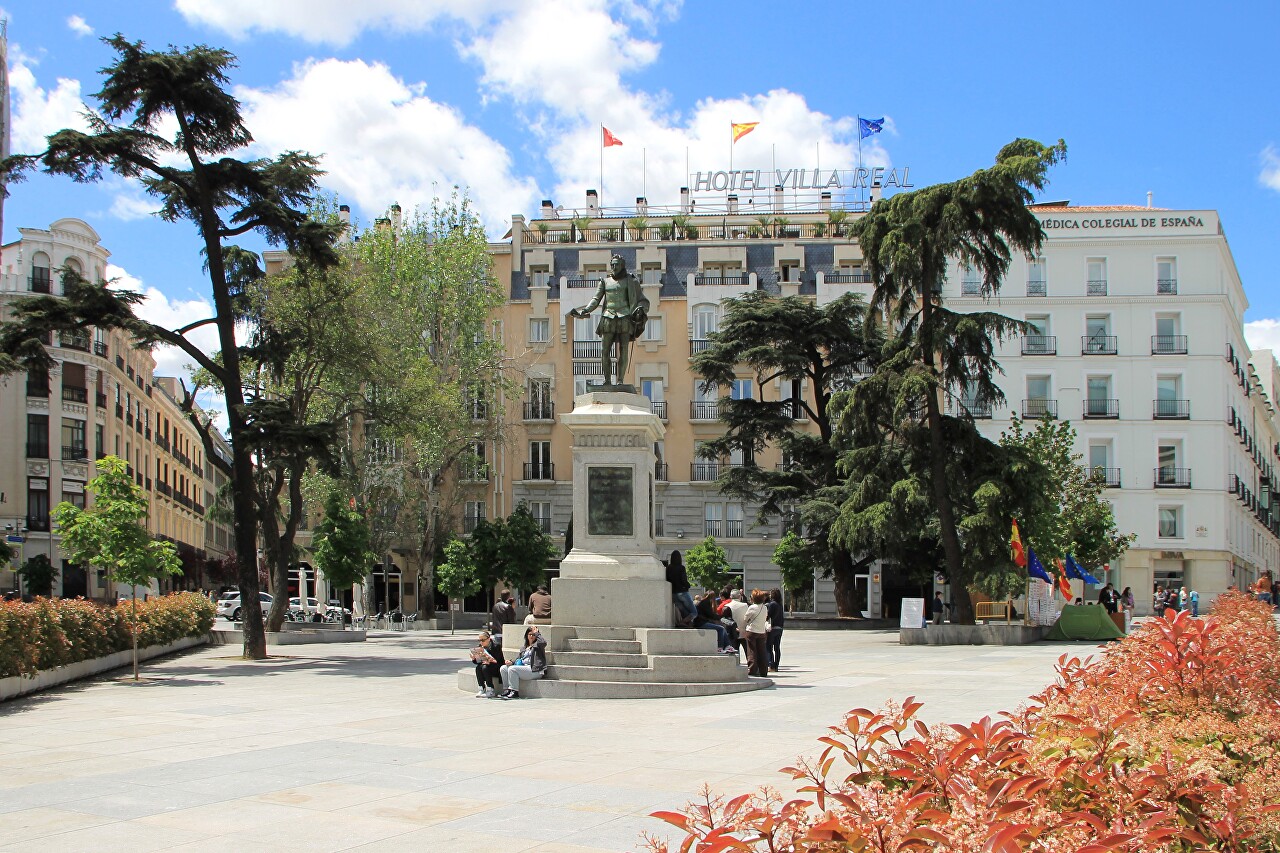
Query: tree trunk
point(938, 469)
point(961, 604)
point(134, 632)
point(844, 571)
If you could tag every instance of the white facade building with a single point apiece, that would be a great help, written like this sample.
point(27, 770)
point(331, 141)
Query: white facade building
point(1138, 340)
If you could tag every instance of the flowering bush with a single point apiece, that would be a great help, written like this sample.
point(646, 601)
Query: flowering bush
point(1169, 742)
point(52, 632)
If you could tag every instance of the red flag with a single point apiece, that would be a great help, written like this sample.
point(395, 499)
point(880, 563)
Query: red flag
point(1015, 543)
point(609, 138)
point(1064, 583)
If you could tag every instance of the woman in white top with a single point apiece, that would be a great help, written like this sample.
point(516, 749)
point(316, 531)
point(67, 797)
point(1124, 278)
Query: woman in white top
point(756, 632)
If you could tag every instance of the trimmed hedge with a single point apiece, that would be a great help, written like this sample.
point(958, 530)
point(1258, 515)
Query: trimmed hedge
point(53, 632)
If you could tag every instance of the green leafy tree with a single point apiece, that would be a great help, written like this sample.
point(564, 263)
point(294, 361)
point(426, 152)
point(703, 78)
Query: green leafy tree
point(909, 240)
point(456, 576)
point(111, 535)
point(37, 573)
point(821, 348)
point(514, 550)
point(341, 544)
point(1075, 518)
point(707, 565)
point(795, 561)
point(195, 176)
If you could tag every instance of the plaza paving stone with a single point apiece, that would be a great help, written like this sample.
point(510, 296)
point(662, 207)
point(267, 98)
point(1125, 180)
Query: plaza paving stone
point(346, 748)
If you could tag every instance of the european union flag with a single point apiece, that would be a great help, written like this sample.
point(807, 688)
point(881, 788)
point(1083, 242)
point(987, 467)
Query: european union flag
point(1074, 571)
point(869, 126)
point(1035, 568)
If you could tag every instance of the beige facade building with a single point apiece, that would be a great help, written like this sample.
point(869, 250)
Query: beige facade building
point(100, 398)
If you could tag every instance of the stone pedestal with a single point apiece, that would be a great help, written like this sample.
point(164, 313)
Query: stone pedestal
point(612, 577)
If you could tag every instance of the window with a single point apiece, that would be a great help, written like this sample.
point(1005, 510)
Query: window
point(37, 382)
point(37, 504)
point(740, 389)
point(584, 329)
point(1169, 402)
point(73, 439)
point(539, 405)
point(706, 405)
point(713, 514)
point(793, 392)
point(1098, 339)
point(659, 520)
point(539, 330)
point(1039, 340)
point(1170, 522)
point(655, 390)
point(1167, 276)
point(789, 273)
point(706, 321)
point(1168, 325)
point(1099, 454)
point(1168, 338)
point(99, 441)
point(40, 278)
point(733, 520)
point(73, 493)
point(473, 465)
point(540, 277)
point(473, 513)
point(539, 467)
point(1037, 283)
point(1096, 277)
point(541, 512)
point(653, 329)
point(1099, 402)
point(38, 436)
point(650, 274)
point(970, 282)
point(1039, 401)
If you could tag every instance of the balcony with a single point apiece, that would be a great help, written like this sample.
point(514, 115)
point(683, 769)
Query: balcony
point(164, 488)
point(74, 340)
point(39, 388)
point(697, 345)
point(1098, 345)
point(584, 281)
point(726, 280)
point(539, 410)
point(1166, 287)
point(588, 349)
point(974, 409)
point(539, 471)
point(100, 399)
point(1098, 407)
point(659, 408)
point(1039, 345)
point(847, 278)
point(128, 418)
point(119, 411)
point(1172, 478)
point(476, 472)
point(72, 394)
point(544, 523)
point(1039, 408)
point(74, 453)
point(660, 472)
point(1095, 287)
point(183, 500)
point(162, 443)
point(1168, 344)
point(1110, 476)
point(704, 410)
point(971, 287)
point(38, 522)
point(197, 508)
point(37, 450)
point(40, 282)
point(711, 527)
point(1037, 288)
point(146, 484)
point(733, 528)
point(471, 522)
point(704, 472)
point(100, 349)
point(1177, 410)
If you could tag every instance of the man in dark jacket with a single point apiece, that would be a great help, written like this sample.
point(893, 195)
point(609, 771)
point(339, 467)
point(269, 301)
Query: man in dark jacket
point(504, 613)
point(679, 580)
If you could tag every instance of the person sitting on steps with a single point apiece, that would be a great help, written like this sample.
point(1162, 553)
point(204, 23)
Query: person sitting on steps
point(679, 580)
point(529, 666)
point(487, 656)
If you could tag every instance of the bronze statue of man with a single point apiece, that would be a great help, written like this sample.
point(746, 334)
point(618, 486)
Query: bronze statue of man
point(622, 320)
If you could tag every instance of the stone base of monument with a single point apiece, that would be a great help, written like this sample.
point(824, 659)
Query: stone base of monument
point(592, 662)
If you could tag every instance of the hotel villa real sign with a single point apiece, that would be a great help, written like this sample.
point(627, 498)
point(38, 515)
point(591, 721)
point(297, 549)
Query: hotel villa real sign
point(759, 180)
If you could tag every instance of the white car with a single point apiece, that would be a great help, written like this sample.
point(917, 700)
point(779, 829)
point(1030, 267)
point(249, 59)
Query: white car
point(229, 604)
point(313, 606)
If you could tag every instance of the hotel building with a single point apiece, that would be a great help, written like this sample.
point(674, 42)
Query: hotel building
point(1137, 339)
point(100, 398)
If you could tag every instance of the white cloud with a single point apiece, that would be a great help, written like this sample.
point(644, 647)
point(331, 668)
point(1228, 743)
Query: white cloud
point(162, 310)
point(1263, 334)
point(333, 22)
point(130, 202)
point(384, 140)
point(39, 112)
point(78, 26)
point(1270, 174)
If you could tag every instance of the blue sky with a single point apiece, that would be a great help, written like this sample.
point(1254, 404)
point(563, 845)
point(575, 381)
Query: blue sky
point(410, 97)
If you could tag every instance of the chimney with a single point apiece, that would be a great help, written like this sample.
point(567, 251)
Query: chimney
point(824, 201)
point(685, 206)
point(642, 206)
point(1148, 198)
point(382, 224)
point(593, 203)
point(548, 209)
point(733, 202)
point(395, 218)
point(779, 198)
point(877, 190)
point(344, 216)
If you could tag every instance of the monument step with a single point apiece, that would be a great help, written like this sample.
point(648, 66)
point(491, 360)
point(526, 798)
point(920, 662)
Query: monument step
point(599, 659)
point(549, 688)
point(595, 633)
point(660, 670)
point(626, 647)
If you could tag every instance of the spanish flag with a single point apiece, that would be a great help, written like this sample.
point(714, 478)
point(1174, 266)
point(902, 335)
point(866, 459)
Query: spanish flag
point(608, 139)
point(1064, 583)
point(741, 130)
point(1015, 543)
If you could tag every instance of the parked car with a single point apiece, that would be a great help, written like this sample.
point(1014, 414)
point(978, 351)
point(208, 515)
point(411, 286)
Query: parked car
point(229, 604)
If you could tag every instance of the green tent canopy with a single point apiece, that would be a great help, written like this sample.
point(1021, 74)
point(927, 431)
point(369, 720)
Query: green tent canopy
point(1084, 622)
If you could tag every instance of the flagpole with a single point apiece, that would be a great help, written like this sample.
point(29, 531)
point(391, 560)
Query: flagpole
point(644, 173)
point(731, 151)
point(602, 165)
point(858, 174)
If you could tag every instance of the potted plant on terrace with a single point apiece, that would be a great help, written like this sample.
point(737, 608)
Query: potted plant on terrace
point(639, 227)
point(580, 225)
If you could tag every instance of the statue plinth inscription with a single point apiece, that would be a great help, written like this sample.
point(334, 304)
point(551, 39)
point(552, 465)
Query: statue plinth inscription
point(610, 500)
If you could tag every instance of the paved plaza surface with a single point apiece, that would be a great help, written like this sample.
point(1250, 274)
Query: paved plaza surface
point(353, 747)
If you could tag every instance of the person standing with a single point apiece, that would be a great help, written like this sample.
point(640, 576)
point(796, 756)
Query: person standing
point(737, 609)
point(756, 632)
point(937, 606)
point(776, 619)
point(1182, 599)
point(1194, 600)
point(503, 613)
point(1109, 599)
point(679, 580)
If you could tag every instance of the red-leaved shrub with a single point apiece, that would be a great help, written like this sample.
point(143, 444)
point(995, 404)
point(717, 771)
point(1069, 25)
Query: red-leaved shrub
point(52, 632)
point(1170, 741)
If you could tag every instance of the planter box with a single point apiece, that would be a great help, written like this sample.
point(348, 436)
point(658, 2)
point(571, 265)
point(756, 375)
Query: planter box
point(972, 635)
point(299, 636)
point(21, 685)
